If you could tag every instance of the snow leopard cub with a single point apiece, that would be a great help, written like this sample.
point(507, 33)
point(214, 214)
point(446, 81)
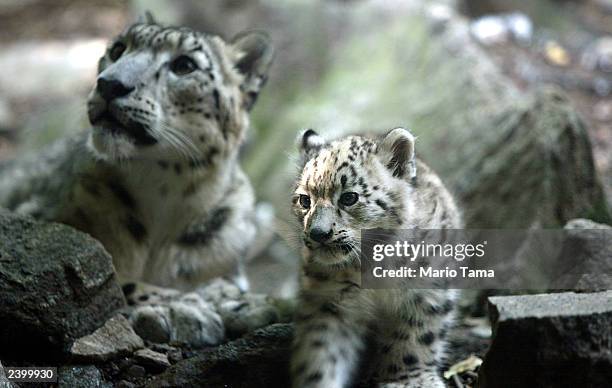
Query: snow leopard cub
point(352, 184)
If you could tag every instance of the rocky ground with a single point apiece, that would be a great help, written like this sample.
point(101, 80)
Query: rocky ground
point(519, 129)
point(72, 315)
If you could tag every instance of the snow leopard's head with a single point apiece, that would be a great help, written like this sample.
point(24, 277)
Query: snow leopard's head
point(348, 185)
point(171, 94)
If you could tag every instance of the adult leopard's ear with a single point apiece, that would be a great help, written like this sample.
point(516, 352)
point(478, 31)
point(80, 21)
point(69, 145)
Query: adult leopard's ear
point(255, 55)
point(396, 151)
point(309, 143)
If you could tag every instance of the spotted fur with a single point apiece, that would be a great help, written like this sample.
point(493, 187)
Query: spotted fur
point(157, 178)
point(361, 183)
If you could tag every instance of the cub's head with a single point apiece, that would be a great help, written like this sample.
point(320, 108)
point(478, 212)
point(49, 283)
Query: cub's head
point(351, 184)
point(175, 94)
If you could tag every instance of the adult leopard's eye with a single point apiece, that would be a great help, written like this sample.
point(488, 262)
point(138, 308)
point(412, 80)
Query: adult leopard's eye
point(348, 199)
point(183, 65)
point(305, 201)
point(116, 51)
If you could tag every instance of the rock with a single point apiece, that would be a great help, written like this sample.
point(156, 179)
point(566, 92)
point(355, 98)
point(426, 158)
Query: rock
point(122, 365)
point(602, 111)
point(598, 56)
point(538, 169)
point(495, 29)
point(115, 339)
point(549, 340)
point(601, 86)
point(151, 359)
point(135, 372)
point(4, 382)
point(81, 376)
point(259, 359)
point(521, 27)
point(490, 30)
point(585, 261)
point(580, 224)
point(174, 354)
point(56, 285)
point(125, 384)
point(606, 5)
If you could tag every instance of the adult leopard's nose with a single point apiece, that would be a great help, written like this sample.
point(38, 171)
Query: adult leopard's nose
point(110, 89)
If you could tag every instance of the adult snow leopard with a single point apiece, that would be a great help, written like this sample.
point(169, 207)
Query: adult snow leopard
point(157, 179)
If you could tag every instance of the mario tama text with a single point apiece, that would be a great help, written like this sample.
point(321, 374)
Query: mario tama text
point(475, 259)
point(433, 273)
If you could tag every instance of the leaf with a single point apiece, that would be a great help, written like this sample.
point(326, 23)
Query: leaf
point(469, 364)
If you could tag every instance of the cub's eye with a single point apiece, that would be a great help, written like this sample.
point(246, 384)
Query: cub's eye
point(348, 199)
point(305, 201)
point(116, 51)
point(183, 65)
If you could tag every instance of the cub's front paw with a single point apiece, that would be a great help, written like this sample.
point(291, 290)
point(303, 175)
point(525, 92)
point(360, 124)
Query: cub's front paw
point(169, 317)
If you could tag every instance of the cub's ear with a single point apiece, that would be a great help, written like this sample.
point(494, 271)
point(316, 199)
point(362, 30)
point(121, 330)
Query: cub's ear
point(309, 143)
point(255, 55)
point(396, 151)
point(146, 18)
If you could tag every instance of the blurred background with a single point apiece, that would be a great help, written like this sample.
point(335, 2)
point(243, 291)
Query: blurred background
point(507, 97)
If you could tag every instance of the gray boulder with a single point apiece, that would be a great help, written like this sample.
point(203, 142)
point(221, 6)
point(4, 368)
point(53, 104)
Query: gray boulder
point(537, 170)
point(549, 340)
point(56, 285)
point(585, 261)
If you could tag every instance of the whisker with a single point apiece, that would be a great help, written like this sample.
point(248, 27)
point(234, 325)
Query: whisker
point(163, 135)
point(184, 139)
point(178, 141)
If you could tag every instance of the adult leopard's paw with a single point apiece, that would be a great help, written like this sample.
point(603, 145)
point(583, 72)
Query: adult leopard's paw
point(248, 313)
point(241, 312)
point(186, 319)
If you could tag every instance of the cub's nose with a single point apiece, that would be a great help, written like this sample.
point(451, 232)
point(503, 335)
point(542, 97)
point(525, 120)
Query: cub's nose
point(110, 89)
point(320, 235)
